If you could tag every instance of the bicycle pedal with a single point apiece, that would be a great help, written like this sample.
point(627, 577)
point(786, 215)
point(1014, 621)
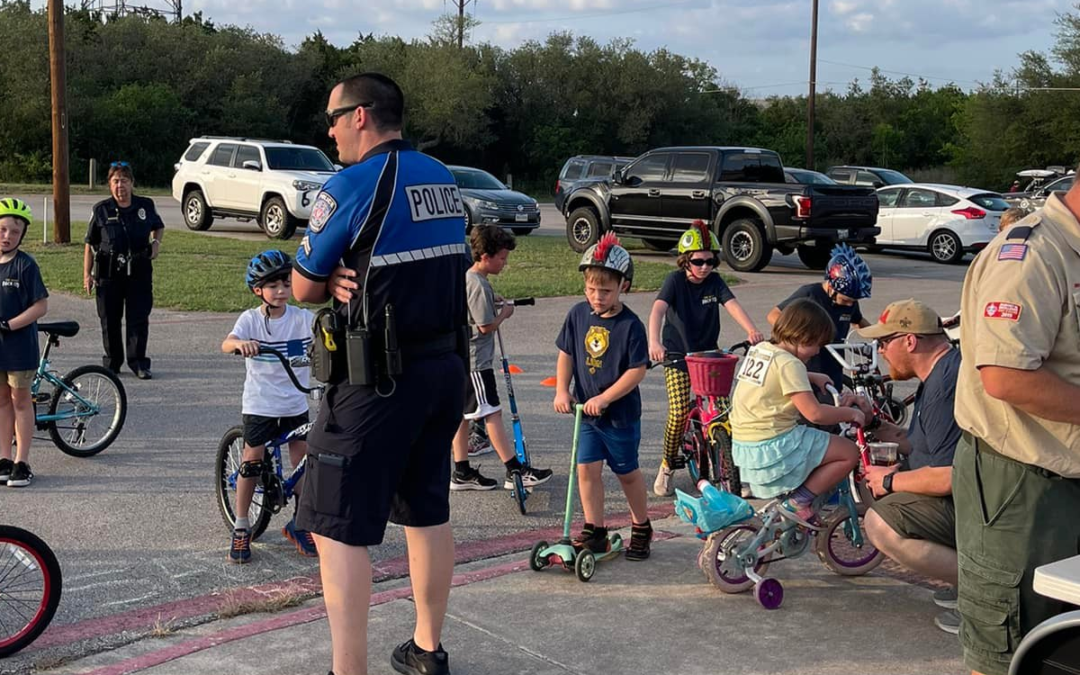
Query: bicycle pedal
point(42, 397)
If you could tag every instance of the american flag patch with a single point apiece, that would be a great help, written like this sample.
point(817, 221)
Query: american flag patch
point(1012, 252)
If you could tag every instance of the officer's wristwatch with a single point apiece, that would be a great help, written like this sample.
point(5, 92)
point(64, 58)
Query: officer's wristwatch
point(4, 327)
point(886, 483)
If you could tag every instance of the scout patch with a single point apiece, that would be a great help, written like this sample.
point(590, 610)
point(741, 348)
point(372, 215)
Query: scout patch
point(142, 214)
point(324, 207)
point(1002, 310)
point(1012, 252)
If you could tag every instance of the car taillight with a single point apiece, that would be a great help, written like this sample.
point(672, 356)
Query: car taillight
point(558, 186)
point(971, 213)
point(802, 207)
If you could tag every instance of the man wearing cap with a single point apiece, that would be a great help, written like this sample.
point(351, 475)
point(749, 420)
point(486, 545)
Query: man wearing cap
point(1016, 478)
point(914, 522)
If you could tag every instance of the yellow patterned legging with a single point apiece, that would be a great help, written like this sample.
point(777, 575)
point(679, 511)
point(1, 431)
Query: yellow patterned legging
point(678, 396)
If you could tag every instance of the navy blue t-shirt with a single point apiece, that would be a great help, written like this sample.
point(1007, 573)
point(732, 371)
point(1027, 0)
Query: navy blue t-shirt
point(842, 318)
point(20, 287)
point(934, 432)
point(692, 323)
point(604, 349)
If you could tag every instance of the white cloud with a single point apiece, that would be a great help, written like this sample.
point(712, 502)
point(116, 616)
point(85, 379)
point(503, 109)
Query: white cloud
point(860, 22)
point(842, 7)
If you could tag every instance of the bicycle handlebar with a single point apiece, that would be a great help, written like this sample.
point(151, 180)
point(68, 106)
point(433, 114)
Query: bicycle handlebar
point(288, 369)
point(675, 357)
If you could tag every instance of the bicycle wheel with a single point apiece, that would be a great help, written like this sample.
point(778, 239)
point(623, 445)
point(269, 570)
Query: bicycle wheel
point(30, 587)
point(82, 432)
point(836, 550)
point(725, 474)
point(230, 454)
point(696, 453)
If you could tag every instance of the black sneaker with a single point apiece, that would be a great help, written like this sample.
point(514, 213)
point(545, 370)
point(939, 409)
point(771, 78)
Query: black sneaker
point(6, 467)
point(530, 477)
point(471, 479)
point(21, 475)
point(594, 539)
point(640, 542)
point(409, 659)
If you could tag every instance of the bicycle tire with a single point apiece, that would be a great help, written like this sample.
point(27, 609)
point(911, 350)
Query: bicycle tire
point(229, 455)
point(80, 379)
point(697, 458)
point(23, 553)
point(728, 477)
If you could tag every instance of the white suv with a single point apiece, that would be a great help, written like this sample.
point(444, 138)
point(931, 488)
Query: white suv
point(271, 182)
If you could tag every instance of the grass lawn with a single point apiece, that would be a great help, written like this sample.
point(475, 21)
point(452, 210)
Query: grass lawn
point(80, 189)
point(200, 273)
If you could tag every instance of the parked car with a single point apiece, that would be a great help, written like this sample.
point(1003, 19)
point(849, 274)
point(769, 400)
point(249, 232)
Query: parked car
point(585, 168)
point(741, 191)
point(870, 176)
point(489, 202)
point(272, 182)
point(1034, 197)
point(806, 177)
point(945, 220)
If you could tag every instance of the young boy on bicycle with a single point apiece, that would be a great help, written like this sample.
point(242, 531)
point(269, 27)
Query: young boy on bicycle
point(23, 300)
point(272, 406)
point(604, 349)
point(491, 245)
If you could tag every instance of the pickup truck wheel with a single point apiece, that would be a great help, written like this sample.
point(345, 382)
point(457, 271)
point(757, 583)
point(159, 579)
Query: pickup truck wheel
point(945, 247)
point(276, 221)
point(468, 222)
point(657, 244)
point(197, 214)
point(745, 248)
point(815, 257)
point(582, 229)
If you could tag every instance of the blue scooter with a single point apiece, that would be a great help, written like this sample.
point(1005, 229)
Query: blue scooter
point(520, 493)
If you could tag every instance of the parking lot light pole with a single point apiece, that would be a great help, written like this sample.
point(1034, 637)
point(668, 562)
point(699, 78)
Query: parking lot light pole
point(812, 98)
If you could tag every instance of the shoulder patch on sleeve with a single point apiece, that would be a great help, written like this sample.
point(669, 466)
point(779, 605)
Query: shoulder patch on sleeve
point(1002, 310)
point(1012, 252)
point(324, 207)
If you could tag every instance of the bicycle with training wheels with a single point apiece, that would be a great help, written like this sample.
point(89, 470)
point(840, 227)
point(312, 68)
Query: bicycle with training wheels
point(85, 409)
point(30, 588)
point(273, 488)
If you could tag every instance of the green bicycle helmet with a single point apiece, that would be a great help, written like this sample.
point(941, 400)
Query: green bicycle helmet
point(17, 208)
point(698, 238)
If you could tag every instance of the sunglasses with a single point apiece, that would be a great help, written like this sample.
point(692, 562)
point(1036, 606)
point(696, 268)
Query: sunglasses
point(119, 164)
point(332, 115)
point(704, 262)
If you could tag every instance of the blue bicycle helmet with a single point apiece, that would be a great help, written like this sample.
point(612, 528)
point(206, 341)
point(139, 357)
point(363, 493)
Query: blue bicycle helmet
point(268, 266)
point(848, 273)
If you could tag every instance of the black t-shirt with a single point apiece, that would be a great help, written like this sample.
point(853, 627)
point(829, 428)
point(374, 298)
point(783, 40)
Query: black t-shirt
point(604, 349)
point(20, 287)
point(126, 230)
point(692, 323)
point(842, 317)
point(933, 432)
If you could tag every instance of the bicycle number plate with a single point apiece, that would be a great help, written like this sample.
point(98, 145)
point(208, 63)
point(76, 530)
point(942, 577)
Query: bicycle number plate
point(755, 366)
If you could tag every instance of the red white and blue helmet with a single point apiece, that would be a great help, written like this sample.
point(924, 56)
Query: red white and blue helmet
point(609, 254)
point(848, 273)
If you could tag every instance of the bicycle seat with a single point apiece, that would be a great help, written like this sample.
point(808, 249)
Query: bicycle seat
point(60, 328)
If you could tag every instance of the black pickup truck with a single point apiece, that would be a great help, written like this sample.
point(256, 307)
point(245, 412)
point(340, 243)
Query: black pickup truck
point(740, 191)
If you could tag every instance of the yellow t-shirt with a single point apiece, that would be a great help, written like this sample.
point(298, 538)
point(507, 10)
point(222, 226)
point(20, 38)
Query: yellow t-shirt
point(761, 406)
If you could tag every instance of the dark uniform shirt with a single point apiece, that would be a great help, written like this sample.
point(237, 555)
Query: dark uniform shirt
point(20, 287)
point(842, 317)
point(125, 231)
point(692, 323)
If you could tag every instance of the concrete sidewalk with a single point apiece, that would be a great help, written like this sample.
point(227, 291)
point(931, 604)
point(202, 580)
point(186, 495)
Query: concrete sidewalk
point(659, 616)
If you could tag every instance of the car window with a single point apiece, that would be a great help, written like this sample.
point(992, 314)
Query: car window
point(651, 168)
point(475, 179)
point(297, 158)
point(840, 175)
point(195, 151)
point(790, 177)
point(887, 198)
point(573, 169)
point(893, 177)
point(919, 198)
point(866, 178)
point(222, 154)
point(752, 167)
point(946, 200)
point(246, 153)
point(600, 169)
point(1060, 184)
point(990, 201)
point(691, 167)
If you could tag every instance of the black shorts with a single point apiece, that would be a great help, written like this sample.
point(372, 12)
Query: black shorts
point(259, 430)
point(481, 395)
point(373, 459)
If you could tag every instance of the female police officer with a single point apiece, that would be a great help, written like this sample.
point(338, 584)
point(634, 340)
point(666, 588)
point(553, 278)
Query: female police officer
point(123, 236)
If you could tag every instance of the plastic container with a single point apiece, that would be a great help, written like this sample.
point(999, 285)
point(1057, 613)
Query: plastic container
point(884, 454)
point(711, 373)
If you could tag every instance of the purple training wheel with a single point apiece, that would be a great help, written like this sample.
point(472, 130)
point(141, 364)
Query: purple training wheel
point(769, 593)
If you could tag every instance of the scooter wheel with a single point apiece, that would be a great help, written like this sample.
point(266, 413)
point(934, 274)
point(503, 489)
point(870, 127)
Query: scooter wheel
point(585, 566)
point(536, 561)
point(769, 593)
point(519, 492)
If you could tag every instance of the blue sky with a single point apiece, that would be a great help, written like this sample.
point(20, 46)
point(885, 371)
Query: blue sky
point(758, 45)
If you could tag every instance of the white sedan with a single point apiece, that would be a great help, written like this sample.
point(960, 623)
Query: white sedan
point(945, 220)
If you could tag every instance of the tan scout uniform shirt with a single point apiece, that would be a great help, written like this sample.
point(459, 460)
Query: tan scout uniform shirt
point(1021, 309)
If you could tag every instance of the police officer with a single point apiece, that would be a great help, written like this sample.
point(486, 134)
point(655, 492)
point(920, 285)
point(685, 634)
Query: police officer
point(380, 448)
point(123, 236)
point(1016, 474)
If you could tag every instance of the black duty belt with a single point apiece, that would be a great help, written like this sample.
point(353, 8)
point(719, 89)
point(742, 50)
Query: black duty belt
point(445, 343)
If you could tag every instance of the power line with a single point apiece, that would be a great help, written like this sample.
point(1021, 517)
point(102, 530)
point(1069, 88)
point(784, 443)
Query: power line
point(577, 17)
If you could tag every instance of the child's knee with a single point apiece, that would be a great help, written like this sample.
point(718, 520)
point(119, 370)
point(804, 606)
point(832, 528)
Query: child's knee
point(628, 477)
point(254, 454)
point(22, 400)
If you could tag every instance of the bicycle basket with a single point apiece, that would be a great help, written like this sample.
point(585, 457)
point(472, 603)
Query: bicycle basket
point(711, 373)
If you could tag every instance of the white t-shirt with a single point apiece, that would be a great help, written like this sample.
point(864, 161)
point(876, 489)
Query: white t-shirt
point(268, 391)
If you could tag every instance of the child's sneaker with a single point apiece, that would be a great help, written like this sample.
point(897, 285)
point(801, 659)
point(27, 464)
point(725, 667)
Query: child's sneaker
point(21, 475)
point(471, 479)
point(593, 538)
point(302, 539)
point(478, 445)
point(640, 541)
point(6, 467)
point(803, 514)
point(409, 659)
point(663, 487)
point(240, 549)
point(530, 477)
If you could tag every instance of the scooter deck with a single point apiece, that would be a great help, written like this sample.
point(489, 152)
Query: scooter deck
point(567, 553)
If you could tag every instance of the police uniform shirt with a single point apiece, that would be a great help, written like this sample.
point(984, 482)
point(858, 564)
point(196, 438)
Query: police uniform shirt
point(123, 230)
point(20, 287)
point(1021, 309)
point(396, 218)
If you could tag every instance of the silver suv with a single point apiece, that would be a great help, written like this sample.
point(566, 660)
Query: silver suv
point(271, 182)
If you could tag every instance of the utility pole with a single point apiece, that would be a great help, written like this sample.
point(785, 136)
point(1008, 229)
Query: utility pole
point(461, 4)
point(812, 99)
point(57, 68)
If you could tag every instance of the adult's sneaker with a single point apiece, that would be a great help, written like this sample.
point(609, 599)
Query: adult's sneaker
point(946, 598)
point(471, 479)
point(530, 477)
point(948, 621)
point(409, 659)
point(301, 539)
point(6, 467)
point(21, 475)
point(240, 548)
